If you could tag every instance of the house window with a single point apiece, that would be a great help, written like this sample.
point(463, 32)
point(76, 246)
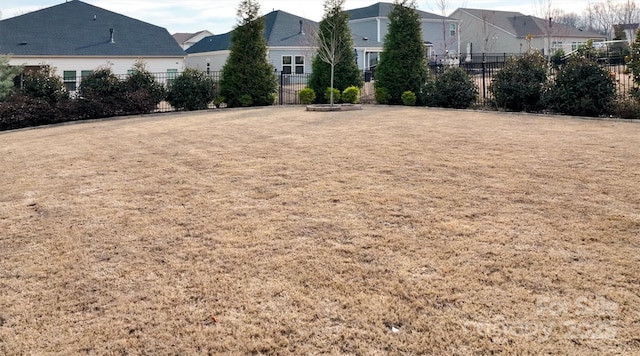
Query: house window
point(576, 45)
point(172, 74)
point(286, 64)
point(69, 77)
point(299, 64)
point(452, 29)
point(85, 73)
point(556, 46)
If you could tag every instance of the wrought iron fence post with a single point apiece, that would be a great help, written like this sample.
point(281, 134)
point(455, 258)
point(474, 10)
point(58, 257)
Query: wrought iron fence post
point(281, 88)
point(484, 83)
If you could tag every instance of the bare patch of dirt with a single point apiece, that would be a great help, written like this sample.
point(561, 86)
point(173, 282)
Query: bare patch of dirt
point(383, 231)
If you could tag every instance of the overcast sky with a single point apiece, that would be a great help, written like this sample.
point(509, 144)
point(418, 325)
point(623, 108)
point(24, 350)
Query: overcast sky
point(219, 16)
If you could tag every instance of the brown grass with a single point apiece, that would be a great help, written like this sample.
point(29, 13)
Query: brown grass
point(302, 233)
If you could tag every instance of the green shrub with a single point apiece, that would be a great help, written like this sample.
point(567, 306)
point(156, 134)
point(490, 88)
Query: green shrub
point(245, 100)
point(44, 84)
point(409, 98)
point(191, 90)
point(351, 95)
point(581, 87)
point(218, 101)
point(102, 94)
point(454, 89)
point(519, 85)
point(144, 93)
point(336, 95)
point(307, 96)
point(382, 95)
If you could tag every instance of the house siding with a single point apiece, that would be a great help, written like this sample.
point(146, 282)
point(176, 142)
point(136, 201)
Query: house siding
point(119, 65)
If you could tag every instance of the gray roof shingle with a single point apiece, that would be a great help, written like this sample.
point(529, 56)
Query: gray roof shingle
point(76, 28)
point(521, 25)
point(282, 29)
point(382, 9)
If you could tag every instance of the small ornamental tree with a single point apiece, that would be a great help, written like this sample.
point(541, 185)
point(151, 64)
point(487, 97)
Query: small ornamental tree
point(334, 65)
point(518, 86)
point(44, 84)
point(403, 64)
point(582, 86)
point(455, 89)
point(247, 77)
point(101, 94)
point(633, 60)
point(191, 90)
point(144, 93)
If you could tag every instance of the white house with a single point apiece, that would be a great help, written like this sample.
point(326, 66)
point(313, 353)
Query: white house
point(188, 39)
point(75, 38)
point(369, 26)
point(497, 32)
point(290, 39)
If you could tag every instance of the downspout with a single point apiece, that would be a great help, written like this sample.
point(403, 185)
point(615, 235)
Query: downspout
point(378, 28)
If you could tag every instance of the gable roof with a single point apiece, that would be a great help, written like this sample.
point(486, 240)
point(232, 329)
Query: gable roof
point(520, 25)
point(182, 37)
point(281, 29)
point(382, 9)
point(76, 28)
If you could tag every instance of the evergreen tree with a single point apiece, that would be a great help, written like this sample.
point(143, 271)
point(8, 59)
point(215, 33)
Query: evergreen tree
point(334, 66)
point(7, 75)
point(248, 79)
point(633, 63)
point(403, 64)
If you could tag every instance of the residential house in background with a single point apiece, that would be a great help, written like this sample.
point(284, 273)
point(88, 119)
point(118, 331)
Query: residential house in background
point(496, 32)
point(187, 39)
point(75, 38)
point(291, 45)
point(369, 26)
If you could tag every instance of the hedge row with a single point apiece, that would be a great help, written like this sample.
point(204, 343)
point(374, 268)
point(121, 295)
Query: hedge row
point(42, 98)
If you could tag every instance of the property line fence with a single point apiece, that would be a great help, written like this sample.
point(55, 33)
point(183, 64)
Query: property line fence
point(481, 67)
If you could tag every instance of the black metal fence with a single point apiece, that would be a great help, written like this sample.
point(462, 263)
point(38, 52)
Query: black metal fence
point(481, 67)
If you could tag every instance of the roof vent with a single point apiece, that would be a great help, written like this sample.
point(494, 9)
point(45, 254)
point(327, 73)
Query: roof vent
point(94, 17)
point(111, 32)
point(301, 29)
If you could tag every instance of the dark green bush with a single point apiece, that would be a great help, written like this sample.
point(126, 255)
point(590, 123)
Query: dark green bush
point(144, 93)
point(454, 89)
point(191, 90)
point(350, 95)
point(307, 96)
point(102, 94)
point(245, 100)
point(382, 95)
point(519, 85)
point(581, 87)
point(409, 98)
point(43, 84)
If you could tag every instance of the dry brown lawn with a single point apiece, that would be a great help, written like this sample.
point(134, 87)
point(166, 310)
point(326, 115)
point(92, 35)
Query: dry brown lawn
point(384, 231)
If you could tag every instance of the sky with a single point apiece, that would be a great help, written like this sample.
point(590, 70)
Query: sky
point(219, 16)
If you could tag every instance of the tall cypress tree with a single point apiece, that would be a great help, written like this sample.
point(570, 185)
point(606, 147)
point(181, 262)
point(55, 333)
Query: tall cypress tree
point(248, 79)
point(403, 65)
point(335, 49)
